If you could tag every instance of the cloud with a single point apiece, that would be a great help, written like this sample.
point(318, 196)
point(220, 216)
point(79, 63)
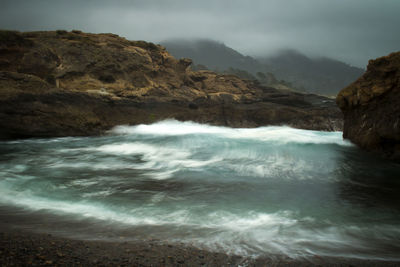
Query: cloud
point(350, 30)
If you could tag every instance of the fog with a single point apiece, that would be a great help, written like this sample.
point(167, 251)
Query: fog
point(349, 30)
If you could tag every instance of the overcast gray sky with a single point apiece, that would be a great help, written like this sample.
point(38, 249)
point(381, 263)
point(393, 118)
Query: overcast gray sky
point(349, 30)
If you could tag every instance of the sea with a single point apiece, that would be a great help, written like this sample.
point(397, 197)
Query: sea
point(253, 192)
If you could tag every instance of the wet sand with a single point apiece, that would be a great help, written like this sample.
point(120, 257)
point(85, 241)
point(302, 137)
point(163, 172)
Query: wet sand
point(22, 248)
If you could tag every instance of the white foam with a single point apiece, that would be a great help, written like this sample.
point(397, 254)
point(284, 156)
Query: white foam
point(281, 134)
point(274, 167)
point(245, 232)
point(249, 234)
point(144, 216)
point(161, 161)
point(85, 182)
point(89, 210)
point(89, 166)
point(103, 193)
point(227, 220)
point(169, 127)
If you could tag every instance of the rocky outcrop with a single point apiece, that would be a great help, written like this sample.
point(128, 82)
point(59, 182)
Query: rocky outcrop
point(371, 107)
point(73, 83)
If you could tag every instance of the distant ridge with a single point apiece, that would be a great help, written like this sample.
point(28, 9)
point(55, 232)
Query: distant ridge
point(319, 75)
point(214, 55)
point(323, 76)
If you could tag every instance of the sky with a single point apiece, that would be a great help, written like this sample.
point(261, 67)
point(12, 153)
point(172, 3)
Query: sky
point(353, 31)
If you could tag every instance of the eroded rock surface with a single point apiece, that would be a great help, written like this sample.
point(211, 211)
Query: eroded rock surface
point(73, 83)
point(371, 107)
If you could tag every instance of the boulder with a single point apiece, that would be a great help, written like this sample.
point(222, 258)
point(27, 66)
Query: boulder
point(371, 107)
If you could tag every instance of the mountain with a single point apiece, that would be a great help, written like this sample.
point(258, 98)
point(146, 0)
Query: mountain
point(288, 68)
point(214, 55)
point(208, 54)
point(61, 83)
point(322, 75)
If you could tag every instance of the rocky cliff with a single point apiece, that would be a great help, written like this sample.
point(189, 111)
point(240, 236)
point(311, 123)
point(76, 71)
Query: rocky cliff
point(371, 107)
point(73, 83)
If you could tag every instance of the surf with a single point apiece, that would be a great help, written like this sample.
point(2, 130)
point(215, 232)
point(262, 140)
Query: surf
point(253, 192)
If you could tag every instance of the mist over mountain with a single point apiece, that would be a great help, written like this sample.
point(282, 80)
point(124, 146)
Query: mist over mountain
point(319, 75)
point(323, 75)
point(212, 54)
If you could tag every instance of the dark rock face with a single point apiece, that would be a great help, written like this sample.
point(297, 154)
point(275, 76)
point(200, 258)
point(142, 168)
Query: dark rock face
point(73, 83)
point(371, 107)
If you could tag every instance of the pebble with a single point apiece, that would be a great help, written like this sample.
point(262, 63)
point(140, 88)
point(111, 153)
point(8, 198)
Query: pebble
point(22, 249)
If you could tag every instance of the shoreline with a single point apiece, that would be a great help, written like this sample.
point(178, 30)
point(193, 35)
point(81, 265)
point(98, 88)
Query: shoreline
point(22, 248)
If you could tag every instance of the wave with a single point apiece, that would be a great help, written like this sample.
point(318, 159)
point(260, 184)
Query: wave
point(169, 147)
point(277, 134)
point(249, 233)
point(161, 162)
point(140, 216)
point(164, 161)
point(246, 191)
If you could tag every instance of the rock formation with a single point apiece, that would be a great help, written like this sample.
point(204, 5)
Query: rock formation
point(63, 83)
point(371, 107)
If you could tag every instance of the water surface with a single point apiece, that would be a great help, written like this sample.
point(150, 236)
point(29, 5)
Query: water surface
point(262, 191)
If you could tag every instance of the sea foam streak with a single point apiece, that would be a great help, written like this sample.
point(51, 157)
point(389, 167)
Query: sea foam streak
point(280, 134)
point(261, 191)
point(249, 234)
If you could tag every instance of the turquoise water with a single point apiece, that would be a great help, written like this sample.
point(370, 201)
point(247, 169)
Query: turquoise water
point(261, 191)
